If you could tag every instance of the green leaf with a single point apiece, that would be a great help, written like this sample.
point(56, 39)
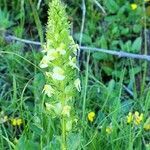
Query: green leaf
point(107, 70)
point(24, 144)
point(103, 42)
point(112, 6)
point(134, 71)
point(36, 129)
point(4, 20)
point(126, 106)
point(117, 73)
point(86, 39)
point(54, 144)
point(100, 117)
point(100, 56)
point(137, 28)
point(73, 141)
point(111, 85)
point(124, 31)
point(136, 46)
point(128, 46)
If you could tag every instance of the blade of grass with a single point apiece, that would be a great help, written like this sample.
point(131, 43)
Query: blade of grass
point(85, 87)
point(37, 21)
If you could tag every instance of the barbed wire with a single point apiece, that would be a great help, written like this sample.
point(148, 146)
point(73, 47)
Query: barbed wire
point(118, 53)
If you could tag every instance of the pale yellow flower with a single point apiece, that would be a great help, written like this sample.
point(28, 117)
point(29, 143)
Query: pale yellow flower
point(3, 119)
point(61, 49)
point(69, 125)
point(52, 54)
point(91, 116)
point(58, 73)
point(48, 74)
point(77, 84)
point(66, 111)
point(44, 62)
point(61, 46)
point(129, 117)
point(49, 106)
point(48, 90)
point(72, 62)
point(44, 48)
point(76, 48)
point(134, 6)
point(57, 108)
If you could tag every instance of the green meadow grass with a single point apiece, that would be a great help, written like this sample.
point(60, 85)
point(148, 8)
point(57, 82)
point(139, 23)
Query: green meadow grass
point(111, 86)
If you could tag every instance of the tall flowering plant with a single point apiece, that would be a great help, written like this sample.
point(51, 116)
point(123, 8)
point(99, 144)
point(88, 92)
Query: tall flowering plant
point(59, 64)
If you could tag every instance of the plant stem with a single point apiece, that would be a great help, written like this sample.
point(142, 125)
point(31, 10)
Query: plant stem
point(63, 133)
point(63, 119)
point(85, 89)
point(145, 51)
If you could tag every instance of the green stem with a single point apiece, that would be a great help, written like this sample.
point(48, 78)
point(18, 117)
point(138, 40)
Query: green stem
point(145, 52)
point(64, 134)
point(85, 89)
point(63, 120)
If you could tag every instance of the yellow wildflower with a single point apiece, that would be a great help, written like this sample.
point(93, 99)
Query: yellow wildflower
point(19, 122)
point(147, 124)
point(48, 90)
point(91, 116)
point(16, 121)
point(129, 117)
point(134, 6)
point(58, 73)
point(109, 129)
point(138, 118)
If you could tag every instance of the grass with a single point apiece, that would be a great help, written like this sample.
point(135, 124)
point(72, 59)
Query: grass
point(111, 86)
